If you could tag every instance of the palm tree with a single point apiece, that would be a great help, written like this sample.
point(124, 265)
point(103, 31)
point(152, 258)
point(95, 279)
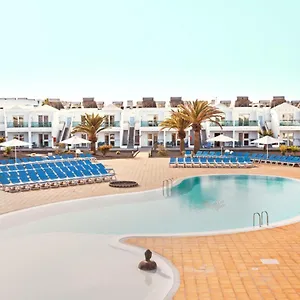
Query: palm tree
point(46, 102)
point(91, 125)
point(265, 132)
point(175, 121)
point(197, 112)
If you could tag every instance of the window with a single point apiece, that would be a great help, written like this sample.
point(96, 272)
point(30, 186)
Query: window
point(43, 120)
point(288, 138)
point(150, 139)
point(112, 139)
point(106, 139)
point(175, 140)
point(109, 139)
point(246, 140)
point(111, 120)
point(287, 117)
point(244, 120)
point(137, 138)
point(19, 137)
point(18, 121)
point(84, 136)
point(153, 120)
point(44, 140)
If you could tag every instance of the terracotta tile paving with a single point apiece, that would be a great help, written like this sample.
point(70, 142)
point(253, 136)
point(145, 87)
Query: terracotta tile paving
point(211, 267)
point(229, 266)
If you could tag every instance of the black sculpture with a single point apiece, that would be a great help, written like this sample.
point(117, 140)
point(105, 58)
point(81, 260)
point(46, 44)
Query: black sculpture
point(147, 264)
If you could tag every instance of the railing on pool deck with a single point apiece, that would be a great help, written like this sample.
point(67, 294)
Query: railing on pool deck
point(261, 218)
point(167, 187)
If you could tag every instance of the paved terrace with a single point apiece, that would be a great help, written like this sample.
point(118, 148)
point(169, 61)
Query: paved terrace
point(211, 267)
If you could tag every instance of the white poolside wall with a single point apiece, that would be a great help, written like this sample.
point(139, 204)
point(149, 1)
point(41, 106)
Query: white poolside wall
point(283, 119)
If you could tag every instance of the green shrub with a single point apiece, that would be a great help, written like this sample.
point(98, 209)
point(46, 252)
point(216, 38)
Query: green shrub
point(104, 149)
point(294, 149)
point(161, 151)
point(7, 150)
point(283, 149)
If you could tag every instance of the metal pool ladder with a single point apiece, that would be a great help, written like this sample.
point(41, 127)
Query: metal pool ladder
point(261, 218)
point(167, 187)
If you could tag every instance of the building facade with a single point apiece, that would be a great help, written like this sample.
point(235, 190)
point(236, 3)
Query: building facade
point(131, 126)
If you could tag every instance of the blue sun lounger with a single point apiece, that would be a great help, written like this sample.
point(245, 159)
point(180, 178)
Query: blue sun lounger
point(173, 162)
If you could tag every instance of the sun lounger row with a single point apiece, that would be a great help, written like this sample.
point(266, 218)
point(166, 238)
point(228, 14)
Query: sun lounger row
point(54, 175)
point(46, 158)
point(189, 153)
point(237, 162)
point(42, 164)
point(276, 159)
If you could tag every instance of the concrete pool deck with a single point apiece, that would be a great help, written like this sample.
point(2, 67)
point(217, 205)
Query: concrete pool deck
point(83, 266)
point(210, 267)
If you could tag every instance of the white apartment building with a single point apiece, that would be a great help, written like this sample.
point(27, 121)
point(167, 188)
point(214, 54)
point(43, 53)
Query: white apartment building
point(138, 125)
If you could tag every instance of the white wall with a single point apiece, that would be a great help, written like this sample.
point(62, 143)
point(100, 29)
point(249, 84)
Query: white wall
point(57, 117)
point(297, 138)
point(11, 135)
point(101, 137)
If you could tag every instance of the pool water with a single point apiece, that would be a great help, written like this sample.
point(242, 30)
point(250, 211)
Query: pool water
point(197, 204)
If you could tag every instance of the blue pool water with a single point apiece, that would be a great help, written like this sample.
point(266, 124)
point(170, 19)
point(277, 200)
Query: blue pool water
point(198, 204)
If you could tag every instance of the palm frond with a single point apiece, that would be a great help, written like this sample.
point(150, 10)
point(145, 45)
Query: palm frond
point(198, 111)
point(175, 121)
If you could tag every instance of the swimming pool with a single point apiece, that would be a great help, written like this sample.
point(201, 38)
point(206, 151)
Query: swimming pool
point(71, 250)
point(197, 204)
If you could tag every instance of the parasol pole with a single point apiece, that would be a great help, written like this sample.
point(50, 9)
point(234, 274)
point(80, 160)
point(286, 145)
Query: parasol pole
point(15, 154)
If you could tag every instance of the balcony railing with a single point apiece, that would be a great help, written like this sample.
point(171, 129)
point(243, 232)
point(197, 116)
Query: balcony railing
point(112, 124)
point(222, 123)
point(41, 124)
point(17, 125)
point(108, 124)
point(236, 123)
point(246, 123)
point(150, 123)
point(290, 123)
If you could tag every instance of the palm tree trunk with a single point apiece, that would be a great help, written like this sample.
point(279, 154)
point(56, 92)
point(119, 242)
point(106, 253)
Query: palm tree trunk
point(197, 140)
point(93, 147)
point(182, 147)
point(181, 136)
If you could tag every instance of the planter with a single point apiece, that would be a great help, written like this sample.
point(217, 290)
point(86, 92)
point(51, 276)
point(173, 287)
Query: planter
point(123, 184)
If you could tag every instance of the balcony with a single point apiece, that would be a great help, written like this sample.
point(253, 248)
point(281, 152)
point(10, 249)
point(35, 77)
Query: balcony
point(289, 123)
point(223, 124)
point(17, 125)
point(74, 124)
point(112, 124)
point(41, 124)
point(150, 123)
point(106, 124)
point(246, 123)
